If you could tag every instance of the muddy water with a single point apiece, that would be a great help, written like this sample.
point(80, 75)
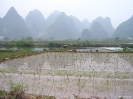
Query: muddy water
point(66, 87)
point(78, 61)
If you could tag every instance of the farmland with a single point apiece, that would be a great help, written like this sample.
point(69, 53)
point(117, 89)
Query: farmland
point(71, 74)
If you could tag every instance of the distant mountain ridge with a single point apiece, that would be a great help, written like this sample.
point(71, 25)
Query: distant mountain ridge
point(2, 28)
point(78, 24)
point(86, 35)
point(52, 17)
point(86, 23)
point(125, 29)
point(106, 24)
point(62, 28)
point(36, 23)
point(13, 26)
point(97, 31)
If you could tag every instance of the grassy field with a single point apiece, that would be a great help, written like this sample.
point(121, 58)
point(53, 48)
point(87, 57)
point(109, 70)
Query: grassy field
point(10, 54)
point(73, 73)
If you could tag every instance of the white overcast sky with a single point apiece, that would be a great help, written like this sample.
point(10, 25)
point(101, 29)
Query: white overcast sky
point(117, 10)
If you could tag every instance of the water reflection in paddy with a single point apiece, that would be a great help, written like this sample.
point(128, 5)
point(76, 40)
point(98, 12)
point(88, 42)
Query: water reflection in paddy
point(75, 61)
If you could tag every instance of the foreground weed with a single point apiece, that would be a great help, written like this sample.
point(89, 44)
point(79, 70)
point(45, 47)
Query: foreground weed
point(17, 87)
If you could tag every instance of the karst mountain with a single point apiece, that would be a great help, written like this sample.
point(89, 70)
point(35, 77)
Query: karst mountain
point(59, 26)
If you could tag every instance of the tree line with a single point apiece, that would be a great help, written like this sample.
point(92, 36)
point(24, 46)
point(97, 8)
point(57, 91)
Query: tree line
point(24, 43)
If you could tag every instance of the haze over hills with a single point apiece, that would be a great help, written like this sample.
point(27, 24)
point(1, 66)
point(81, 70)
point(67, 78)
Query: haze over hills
point(97, 31)
point(13, 25)
point(86, 23)
point(1, 28)
point(106, 24)
point(60, 26)
point(125, 29)
point(78, 24)
point(52, 17)
point(36, 23)
point(85, 35)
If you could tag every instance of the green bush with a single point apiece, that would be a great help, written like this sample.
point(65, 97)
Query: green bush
point(15, 87)
point(127, 49)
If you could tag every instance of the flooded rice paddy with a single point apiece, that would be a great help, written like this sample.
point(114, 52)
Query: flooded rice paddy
point(66, 74)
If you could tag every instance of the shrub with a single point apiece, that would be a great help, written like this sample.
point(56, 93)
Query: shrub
point(17, 88)
point(127, 49)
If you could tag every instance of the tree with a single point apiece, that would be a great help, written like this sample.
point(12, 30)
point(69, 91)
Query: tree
point(117, 38)
point(8, 46)
point(127, 49)
point(6, 39)
point(79, 39)
point(27, 42)
point(13, 44)
point(19, 44)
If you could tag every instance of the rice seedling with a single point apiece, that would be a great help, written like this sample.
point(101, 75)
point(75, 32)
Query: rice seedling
point(62, 74)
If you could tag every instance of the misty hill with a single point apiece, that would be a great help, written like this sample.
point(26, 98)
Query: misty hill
point(36, 23)
point(63, 28)
point(86, 23)
point(52, 17)
point(78, 24)
point(106, 24)
point(85, 35)
point(97, 31)
point(1, 27)
point(60, 26)
point(13, 25)
point(125, 29)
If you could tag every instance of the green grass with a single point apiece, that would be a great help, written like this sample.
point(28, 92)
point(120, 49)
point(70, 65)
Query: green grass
point(10, 54)
point(91, 74)
point(8, 71)
point(4, 94)
point(9, 95)
point(18, 91)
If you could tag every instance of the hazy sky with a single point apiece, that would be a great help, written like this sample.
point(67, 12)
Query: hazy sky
point(117, 10)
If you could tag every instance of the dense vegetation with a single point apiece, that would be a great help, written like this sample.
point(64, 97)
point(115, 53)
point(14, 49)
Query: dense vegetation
point(10, 54)
point(30, 43)
point(21, 44)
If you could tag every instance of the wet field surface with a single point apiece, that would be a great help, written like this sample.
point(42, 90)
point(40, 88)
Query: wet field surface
point(66, 74)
